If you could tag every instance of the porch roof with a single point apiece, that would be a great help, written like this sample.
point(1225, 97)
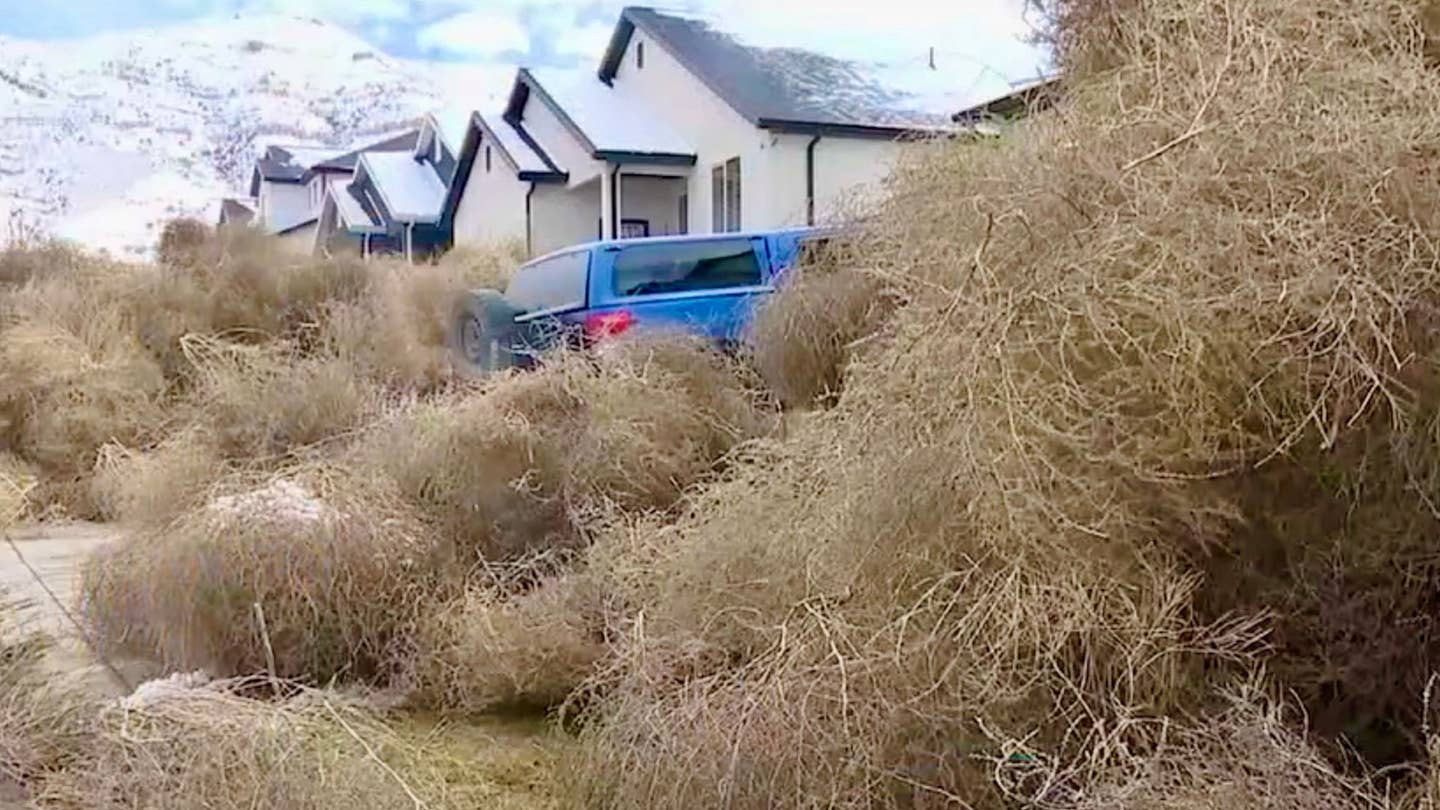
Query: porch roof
point(351, 213)
point(609, 126)
point(410, 189)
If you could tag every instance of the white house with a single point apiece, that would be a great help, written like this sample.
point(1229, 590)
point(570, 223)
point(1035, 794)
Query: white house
point(289, 185)
point(237, 212)
point(393, 202)
point(687, 129)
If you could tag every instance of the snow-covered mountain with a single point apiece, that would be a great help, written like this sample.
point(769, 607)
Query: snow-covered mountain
point(103, 138)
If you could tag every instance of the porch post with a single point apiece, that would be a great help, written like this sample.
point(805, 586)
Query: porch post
point(618, 188)
point(608, 226)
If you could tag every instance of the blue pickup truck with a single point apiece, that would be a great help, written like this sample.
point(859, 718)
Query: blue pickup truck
point(702, 285)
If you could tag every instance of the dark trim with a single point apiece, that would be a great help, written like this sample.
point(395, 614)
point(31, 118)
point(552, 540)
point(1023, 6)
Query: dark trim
point(615, 203)
point(615, 51)
point(620, 40)
point(513, 114)
point(529, 224)
point(651, 158)
point(519, 96)
point(526, 83)
point(535, 147)
point(297, 226)
point(1035, 96)
point(810, 180)
point(791, 127)
point(647, 20)
point(475, 134)
point(634, 221)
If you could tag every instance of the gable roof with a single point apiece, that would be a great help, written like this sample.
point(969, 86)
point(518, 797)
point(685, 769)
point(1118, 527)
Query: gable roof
point(350, 210)
point(291, 228)
point(283, 163)
point(237, 211)
point(449, 124)
point(410, 188)
point(795, 89)
point(608, 127)
point(516, 148)
point(521, 152)
point(345, 161)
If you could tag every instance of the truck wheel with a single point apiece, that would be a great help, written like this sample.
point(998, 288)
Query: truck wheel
point(483, 333)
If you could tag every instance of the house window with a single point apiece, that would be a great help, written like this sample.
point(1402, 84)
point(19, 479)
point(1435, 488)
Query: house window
point(684, 214)
point(487, 160)
point(725, 197)
point(639, 56)
point(732, 193)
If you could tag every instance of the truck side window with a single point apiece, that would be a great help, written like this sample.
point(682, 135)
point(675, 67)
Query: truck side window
point(686, 266)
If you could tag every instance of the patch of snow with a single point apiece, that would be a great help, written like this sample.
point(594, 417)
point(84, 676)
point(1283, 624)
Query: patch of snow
point(612, 123)
point(525, 157)
point(453, 122)
point(352, 215)
point(281, 502)
point(103, 138)
point(865, 66)
point(307, 157)
point(164, 690)
point(410, 189)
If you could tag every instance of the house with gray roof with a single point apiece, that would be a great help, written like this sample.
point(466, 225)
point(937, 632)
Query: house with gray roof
point(392, 202)
point(289, 184)
point(689, 128)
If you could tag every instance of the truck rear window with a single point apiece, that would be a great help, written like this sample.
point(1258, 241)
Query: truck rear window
point(686, 266)
point(558, 282)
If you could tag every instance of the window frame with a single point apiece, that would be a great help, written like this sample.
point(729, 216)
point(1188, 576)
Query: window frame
point(583, 287)
point(613, 291)
point(733, 196)
point(644, 225)
point(726, 197)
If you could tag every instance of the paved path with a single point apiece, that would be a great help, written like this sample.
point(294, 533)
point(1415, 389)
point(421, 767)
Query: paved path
point(56, 552)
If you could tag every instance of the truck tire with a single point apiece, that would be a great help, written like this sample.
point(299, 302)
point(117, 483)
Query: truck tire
point(483, 334)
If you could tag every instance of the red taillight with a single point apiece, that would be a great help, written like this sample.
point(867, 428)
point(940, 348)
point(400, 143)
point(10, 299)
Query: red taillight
point(600, 325)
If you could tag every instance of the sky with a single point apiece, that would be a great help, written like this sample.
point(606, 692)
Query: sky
point(572, 33)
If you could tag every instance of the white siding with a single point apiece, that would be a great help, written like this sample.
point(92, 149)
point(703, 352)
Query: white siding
point(701, 117)
point(655, 199)
point(492, 207)
point(849, 173)
point(559, 143)
point(283, 204)
point(772, 167)
point(300, 241)
point(562, 217)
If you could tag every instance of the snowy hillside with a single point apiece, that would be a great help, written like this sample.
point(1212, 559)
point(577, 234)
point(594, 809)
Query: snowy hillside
point(103, 138)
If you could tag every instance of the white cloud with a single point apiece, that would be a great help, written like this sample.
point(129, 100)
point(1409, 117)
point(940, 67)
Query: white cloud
point(479, 33)
point(586, 41)
point(473, 85)
point(341, 11)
